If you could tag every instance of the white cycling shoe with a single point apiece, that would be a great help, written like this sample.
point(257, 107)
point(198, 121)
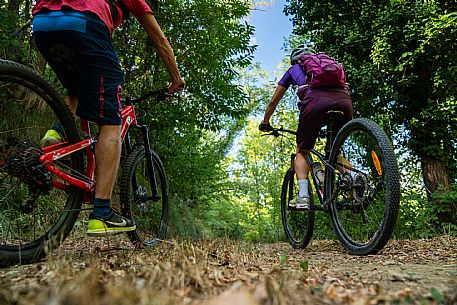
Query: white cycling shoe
point(300, 203)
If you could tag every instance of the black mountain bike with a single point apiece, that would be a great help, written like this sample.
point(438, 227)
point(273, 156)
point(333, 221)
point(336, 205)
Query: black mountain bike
point(361, 188)
point(42, 189)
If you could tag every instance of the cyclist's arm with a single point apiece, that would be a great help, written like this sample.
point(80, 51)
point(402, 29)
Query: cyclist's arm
point(277, 96)
point(165, 51)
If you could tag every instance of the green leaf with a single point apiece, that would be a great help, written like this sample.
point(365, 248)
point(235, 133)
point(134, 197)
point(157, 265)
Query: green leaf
point(436, 295)
point(304, 266)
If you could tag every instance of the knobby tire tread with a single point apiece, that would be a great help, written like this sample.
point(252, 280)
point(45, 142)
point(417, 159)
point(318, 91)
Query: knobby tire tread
point(392, 186)
point(284, 206)
point(125, 187)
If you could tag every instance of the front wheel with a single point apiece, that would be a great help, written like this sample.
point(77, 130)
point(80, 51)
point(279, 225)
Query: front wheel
point(365, 187)
point(144, 197)
point(298, 225)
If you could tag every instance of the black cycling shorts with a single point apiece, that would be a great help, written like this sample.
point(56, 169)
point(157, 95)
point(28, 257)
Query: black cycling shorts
point(312, 113)
point(79, 49)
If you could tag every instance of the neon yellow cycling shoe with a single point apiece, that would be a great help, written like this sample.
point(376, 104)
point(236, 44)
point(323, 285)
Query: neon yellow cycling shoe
point(112, 224)
point(51, 137)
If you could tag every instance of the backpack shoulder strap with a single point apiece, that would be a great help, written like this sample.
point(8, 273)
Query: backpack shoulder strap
point(124, 8)
point(113, 4)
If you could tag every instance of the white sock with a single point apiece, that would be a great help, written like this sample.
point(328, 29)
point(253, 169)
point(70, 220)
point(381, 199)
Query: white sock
point(303, 187)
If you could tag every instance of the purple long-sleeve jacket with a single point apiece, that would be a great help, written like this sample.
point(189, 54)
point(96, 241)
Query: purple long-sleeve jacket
point(295, 76)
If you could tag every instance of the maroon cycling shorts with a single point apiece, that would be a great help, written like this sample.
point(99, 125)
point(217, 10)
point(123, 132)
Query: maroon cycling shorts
point(312, 113)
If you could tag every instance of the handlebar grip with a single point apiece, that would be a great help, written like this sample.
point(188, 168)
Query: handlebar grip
point(163, 94)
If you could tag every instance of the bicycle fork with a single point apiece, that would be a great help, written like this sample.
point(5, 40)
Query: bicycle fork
point(149, 162)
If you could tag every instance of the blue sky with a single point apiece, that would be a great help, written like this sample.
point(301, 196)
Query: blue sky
point(271, 27)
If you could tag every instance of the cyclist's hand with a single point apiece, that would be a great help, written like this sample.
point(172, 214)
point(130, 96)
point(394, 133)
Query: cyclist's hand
point(176, 85)
point(265, 127)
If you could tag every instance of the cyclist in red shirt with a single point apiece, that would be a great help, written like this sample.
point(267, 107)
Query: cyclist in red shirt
point(75, 38)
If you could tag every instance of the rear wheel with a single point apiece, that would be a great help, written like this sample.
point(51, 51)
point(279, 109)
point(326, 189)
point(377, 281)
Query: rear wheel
point(298, 224)
point(366, 187)
point(34, 215)
point(144, 197)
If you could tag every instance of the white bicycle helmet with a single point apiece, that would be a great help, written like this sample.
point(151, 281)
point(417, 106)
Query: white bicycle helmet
point(299, 51)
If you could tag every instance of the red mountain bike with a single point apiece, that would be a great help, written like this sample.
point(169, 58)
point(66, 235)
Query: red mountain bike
point(42, 189)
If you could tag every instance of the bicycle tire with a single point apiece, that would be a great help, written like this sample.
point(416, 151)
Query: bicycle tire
point(28, 235)
point(136, 197)
point(365, 212)
point(298, 225)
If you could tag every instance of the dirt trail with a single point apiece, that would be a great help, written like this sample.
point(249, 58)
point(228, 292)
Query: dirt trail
point(217, 272)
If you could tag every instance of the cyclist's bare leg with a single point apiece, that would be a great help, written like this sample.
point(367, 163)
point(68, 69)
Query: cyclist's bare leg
point(301, 170)
point(103, 220)
point(107, 156)
point(301, 164)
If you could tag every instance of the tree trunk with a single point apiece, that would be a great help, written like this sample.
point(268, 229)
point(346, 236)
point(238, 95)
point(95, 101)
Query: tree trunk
point(13, 7)
point(435, 175)
point(27, 9)
point(436, 178)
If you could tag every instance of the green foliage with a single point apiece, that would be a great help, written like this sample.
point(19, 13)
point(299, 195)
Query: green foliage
point(436, 295)
point(192, 135)
point(13, 47)
point(225, 179)
point(323, 226)
point(282, 260)
point(401, 62)
point(419, 219)
point(211, 42)
point(304, 266)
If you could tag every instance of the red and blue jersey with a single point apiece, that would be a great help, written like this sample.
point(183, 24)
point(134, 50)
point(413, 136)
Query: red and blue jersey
point(98, 7)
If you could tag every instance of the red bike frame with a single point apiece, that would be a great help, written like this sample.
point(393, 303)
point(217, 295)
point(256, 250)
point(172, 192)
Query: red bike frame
point(58, 151)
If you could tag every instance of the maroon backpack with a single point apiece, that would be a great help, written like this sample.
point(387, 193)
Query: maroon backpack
point(322, 71)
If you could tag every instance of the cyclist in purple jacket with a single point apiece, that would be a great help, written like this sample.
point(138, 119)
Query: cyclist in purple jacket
point(313, 106)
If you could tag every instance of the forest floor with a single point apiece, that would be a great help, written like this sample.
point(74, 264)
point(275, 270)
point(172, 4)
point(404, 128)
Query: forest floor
point(87, 271)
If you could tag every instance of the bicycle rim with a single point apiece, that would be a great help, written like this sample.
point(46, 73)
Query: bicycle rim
point(147, 208)
point(298, 225)
point(365, 209)
point(34, 216)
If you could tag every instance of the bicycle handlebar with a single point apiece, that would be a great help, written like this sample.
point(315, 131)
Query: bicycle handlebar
point(276, 132)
